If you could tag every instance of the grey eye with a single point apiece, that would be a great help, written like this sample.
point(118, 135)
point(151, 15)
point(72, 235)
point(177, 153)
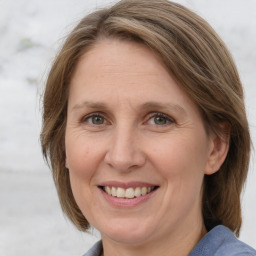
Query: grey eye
point(160, 120)
point(95, 120)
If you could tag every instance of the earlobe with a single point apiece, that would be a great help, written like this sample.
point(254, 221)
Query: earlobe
point(66, 164)
point(218, 153)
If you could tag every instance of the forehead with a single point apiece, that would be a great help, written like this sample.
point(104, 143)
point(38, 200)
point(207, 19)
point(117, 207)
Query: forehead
point(119, 58)
point(127, 70)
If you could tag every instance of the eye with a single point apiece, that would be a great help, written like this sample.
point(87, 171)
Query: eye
point(94, 119)
point(160, 119)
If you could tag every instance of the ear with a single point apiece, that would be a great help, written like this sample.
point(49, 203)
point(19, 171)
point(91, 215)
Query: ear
point(218, 150)
point(66, 163)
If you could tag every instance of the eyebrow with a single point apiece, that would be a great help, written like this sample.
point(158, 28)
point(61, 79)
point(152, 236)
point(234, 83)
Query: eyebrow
point(88, 104)
point(169, 106)
point(144, 106)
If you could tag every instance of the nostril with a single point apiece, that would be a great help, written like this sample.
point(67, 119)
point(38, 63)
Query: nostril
point(124, 153)
point(125, 162)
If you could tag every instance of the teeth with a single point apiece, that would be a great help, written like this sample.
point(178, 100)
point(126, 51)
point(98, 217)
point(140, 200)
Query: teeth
point(127, 193)
point(137, 192)
point(113, 191)
point(108, 190)
point(120, 192)
point(144, 191)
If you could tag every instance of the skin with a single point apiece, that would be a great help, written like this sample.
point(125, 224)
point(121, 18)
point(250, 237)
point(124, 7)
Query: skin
point(128, 121)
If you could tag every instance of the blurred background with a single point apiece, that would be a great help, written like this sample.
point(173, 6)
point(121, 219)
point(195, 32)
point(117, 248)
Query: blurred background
point(31, 32)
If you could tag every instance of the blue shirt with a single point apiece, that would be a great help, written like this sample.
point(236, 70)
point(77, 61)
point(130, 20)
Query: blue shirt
point(220, 241)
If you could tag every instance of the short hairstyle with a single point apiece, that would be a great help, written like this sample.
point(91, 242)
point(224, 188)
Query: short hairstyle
point(199, 62)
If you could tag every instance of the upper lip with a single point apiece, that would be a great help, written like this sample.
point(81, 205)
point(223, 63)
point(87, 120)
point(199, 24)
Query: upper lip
point(125, 185)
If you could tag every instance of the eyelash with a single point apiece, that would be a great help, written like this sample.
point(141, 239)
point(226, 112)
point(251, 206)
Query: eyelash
point(167, 118)
point(87, 117)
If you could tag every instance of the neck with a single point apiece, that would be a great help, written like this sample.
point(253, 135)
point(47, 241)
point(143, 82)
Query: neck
point(179, 243)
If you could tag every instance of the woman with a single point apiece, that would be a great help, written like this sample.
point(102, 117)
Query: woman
point(145, 128)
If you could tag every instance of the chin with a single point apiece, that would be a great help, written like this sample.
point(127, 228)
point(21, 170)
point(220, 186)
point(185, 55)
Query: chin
point(130, 234)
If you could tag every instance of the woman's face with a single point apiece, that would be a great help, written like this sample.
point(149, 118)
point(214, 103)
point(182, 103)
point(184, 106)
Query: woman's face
point(136, 147)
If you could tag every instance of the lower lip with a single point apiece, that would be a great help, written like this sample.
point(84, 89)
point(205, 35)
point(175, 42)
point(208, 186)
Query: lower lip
point(127, 203)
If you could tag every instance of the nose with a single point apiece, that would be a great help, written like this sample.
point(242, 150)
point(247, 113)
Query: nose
point(125, 151)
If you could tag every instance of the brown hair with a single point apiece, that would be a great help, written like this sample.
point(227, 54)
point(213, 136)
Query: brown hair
point(199, 62)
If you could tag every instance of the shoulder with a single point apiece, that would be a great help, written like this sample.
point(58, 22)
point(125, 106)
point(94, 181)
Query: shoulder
point(96, 250)
point(220, 241)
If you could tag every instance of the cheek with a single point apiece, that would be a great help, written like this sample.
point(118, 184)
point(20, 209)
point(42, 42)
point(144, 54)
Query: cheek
point(82, 160)
point(181, 163)
point(82, 155)
point(181, 155)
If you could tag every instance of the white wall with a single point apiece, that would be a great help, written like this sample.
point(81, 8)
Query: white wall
point(31, 31)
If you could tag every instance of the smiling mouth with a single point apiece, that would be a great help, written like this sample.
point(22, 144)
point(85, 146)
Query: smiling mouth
point(128, 193)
